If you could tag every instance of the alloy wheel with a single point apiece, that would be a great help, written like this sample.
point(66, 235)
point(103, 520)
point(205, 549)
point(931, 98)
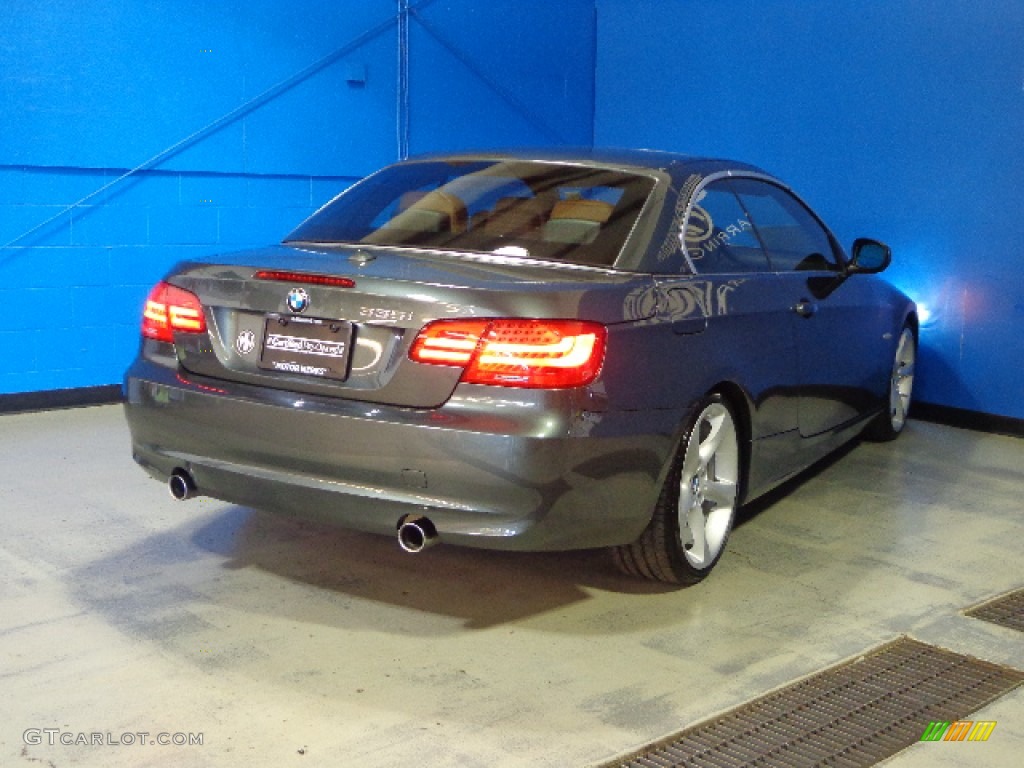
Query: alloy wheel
point(708, 486)
point(902, 382)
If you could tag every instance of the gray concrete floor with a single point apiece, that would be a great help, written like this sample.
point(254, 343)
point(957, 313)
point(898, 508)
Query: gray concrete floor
point(285, 643)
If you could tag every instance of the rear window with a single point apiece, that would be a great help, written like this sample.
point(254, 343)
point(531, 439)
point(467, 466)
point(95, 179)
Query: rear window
point(525, 209)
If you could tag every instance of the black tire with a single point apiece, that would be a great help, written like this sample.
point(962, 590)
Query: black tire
point(890, 423)
point(698, 495)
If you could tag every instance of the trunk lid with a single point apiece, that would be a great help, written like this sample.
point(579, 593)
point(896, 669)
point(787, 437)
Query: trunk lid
point(351, 339)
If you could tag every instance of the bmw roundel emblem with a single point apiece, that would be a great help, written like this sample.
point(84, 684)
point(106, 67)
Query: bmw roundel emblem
point(297, 300)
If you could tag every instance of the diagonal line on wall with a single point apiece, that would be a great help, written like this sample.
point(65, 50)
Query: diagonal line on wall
point(228, 118)
point(495, 86)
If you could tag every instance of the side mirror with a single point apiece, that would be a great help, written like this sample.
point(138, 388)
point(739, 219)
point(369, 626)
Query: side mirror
point(869, 257)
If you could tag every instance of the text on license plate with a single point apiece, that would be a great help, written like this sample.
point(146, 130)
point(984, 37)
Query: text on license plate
point(307, 346)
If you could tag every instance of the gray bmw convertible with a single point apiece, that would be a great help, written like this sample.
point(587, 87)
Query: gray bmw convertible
point(526, 351)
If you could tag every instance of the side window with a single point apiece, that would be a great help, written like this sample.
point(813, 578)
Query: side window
point(793, 237)
point(719, 236)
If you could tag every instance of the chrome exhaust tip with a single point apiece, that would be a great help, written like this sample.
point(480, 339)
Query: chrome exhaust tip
point(181, 485)
point(416, 533)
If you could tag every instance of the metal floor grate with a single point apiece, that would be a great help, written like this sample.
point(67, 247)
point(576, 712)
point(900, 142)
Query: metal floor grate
point(1006, 611)
point(848, 716)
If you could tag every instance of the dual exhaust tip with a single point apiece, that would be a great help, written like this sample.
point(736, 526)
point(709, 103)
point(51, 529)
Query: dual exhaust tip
point(415, 532)
point(181, 485)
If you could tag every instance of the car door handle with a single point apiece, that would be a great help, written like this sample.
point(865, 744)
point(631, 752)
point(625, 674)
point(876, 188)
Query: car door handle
point(805, 308)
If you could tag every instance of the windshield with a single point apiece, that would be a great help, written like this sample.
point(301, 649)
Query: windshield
point(515, 208)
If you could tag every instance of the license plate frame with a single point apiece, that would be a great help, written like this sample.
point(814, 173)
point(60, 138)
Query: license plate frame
point(307, 346)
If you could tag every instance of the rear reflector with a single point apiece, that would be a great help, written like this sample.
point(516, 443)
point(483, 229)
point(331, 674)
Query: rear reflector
point(169, 309)
point(305, 277)
point(515, 352)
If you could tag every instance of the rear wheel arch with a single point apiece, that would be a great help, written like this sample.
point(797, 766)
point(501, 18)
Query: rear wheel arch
point(738, 401)
point(742, 408)
point(698, 491)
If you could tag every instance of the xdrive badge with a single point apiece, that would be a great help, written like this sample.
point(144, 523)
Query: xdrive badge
point(297, 300)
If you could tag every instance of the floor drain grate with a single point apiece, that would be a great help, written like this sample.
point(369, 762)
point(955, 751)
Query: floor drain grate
point(852, 715)
point(1006, 611)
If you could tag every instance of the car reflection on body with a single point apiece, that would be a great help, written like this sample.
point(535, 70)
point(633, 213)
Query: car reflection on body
point(527, 352)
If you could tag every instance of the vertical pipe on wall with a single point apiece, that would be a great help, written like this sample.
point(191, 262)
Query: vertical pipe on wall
point(406, 8)
point(402, 110)
point(593, 80)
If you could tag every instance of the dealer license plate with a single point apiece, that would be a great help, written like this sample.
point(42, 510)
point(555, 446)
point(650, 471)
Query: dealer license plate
point(307, 345)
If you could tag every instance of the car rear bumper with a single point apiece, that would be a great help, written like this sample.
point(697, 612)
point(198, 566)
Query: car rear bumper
point(493, 468)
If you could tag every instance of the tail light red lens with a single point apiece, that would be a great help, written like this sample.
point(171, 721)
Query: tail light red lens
point(552, 354)
point(169, 309)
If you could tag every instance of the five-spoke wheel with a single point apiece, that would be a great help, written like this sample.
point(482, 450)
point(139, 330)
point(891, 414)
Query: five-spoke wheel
point(697, 505)
point(888, 425)
point(708, 486)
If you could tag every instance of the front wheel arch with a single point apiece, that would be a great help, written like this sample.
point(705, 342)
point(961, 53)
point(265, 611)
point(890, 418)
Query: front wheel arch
point(889, 424)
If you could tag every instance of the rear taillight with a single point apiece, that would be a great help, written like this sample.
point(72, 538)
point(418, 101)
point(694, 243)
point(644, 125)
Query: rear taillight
point(515, 353)
point(169, 309)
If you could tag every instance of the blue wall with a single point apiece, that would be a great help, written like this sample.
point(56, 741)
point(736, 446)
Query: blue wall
point(139, 132)
point(899, 119)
